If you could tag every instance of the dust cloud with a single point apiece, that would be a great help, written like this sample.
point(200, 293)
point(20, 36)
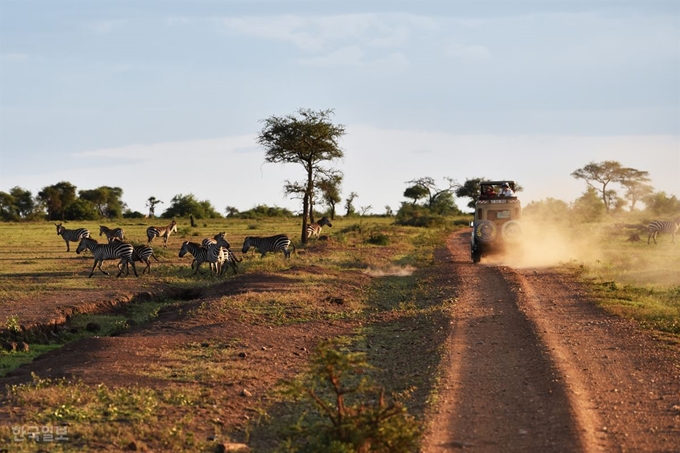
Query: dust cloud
point(547, 245)
point(395, 271)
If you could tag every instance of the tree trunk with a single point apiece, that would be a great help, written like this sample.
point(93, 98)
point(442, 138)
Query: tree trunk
point(305, 213)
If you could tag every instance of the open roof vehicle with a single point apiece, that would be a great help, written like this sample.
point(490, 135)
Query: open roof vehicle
point(497, 227)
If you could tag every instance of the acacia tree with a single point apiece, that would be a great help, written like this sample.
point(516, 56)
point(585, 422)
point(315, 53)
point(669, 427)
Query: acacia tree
point(309, 139)
point(349, 207)
point(635, 182)
point(603, 173)
point(425, 187)
point(329, 191)
point(151, 204)
point(416, 193)
point(470, 189)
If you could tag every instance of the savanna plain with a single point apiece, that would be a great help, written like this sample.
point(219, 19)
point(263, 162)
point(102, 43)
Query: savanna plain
point(377, 338)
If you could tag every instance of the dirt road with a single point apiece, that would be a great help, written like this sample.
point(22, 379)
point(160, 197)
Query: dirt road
point(533, 366)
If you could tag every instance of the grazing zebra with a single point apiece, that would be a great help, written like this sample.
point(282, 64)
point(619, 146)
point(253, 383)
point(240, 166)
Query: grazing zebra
point(314, 229)
point(212, 254)
point(230, 259)
point(112, 233)
point(71, 235)
point(660, 226)
point(141, 253)
point(273, 244)
point(163, 232)
point(111, 251)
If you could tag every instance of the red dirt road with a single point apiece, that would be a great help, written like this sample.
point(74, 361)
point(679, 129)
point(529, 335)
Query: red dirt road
point(534, 366)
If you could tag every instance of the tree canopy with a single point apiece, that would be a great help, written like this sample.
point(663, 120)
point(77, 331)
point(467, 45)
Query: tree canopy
point(599, 175)
point(56, 198)
point(188, 205)
point(309, 139)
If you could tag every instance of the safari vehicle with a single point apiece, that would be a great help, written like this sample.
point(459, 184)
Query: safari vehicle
point(497, 227)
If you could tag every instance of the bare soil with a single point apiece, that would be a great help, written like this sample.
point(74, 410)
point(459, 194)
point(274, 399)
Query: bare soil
point(531, 364)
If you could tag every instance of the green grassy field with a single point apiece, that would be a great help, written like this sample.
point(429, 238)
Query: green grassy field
point(630, 279)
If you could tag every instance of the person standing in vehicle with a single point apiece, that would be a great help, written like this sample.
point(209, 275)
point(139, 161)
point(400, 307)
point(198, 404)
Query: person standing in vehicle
point(506, 191)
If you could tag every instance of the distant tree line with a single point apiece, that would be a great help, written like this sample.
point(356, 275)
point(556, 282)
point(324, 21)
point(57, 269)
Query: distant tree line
point(62, 202)
point(310, 139)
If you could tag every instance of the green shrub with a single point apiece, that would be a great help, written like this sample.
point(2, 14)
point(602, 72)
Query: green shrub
point(378, 238)
point(345, 411)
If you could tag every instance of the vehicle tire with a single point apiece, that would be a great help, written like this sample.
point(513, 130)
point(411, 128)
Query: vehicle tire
point(486, 231)
point(476, 255)
point(512, 232)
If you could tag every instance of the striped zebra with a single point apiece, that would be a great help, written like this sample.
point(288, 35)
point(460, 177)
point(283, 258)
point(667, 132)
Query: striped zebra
point(230, 261)
point(71, 235)
point(212, 254)
point(221, 240)
point(273, 244)
point(314, 229)
point(661, 226)
point(111, 251)
point(111, 233)
point(141, 253)
point(163, 232)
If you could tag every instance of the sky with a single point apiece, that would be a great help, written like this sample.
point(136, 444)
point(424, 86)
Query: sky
point(166, 98)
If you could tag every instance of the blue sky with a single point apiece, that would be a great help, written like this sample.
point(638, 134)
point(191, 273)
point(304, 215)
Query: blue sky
point(167, 97)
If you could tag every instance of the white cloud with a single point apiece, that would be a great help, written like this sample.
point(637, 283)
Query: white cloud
point(15, 56)
point(104, 27)
point(346, 56)
point(476, 52)
point(320, 33)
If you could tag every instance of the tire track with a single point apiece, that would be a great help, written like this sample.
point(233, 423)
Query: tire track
point(503, 391)
point(532, 364)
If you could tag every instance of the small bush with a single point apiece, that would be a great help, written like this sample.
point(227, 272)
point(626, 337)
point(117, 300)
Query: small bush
point(378, 238)
point(347, 412)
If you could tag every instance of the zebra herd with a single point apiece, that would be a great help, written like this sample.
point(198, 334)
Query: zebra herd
point(114, 249)
point(215, 251)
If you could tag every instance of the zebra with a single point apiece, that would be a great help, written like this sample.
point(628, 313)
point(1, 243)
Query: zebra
point(661, 226)
point(111, 233)
point(71, 235)
point(231, 261)
point(314, 229)
point(111, 251)
point(273, 244)
point(141, 253)
point(220, 240)
point(212, 254)
point(163, 232)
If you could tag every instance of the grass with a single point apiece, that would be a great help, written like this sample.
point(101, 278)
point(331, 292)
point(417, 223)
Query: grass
point(635, 280)
point(402, 322)
point(103, 413)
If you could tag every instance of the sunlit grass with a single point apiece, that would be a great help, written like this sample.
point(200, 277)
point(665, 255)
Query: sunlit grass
point(109, 419)
point(636, 280)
